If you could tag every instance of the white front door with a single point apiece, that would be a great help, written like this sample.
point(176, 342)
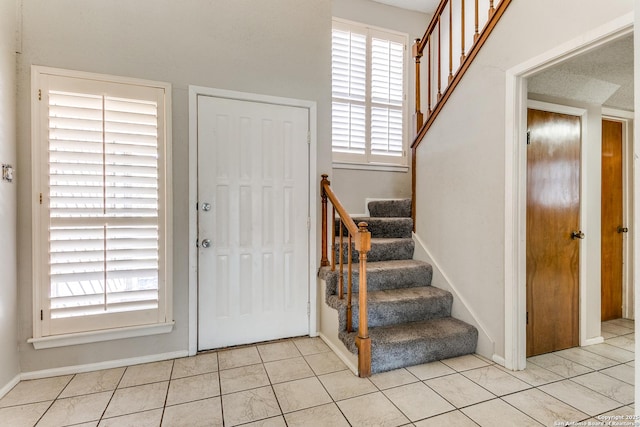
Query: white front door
point(253, 210)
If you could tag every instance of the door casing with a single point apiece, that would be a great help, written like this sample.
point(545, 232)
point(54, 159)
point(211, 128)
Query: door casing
point(194, 92)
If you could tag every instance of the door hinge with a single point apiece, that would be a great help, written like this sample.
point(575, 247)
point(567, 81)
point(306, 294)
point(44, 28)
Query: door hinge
point(39, 94)
point(528, 137)
point(527, 317)
point(308, 137)
point(40, 198)
point(308, 309)
point(41, 315)
point(308, 223)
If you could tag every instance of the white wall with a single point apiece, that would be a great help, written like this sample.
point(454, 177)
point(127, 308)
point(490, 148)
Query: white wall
point(279, 47)
point(9, 364)
point(461, 168)
point(354, 186)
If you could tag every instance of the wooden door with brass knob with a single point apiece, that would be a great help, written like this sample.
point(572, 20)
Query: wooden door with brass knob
point(612, 227)
point(553, 231)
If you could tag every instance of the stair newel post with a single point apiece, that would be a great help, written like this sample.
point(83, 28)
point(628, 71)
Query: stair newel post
point(349, 285)
point(324, 261)
point(363, 342)
point(417, 54)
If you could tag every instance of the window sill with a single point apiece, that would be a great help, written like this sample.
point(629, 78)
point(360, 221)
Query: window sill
point(97, 336)
point(383, 167)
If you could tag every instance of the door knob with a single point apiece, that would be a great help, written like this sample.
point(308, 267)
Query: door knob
point(577, 235)
point(206, 243)
point(622, 229)
point(206, 207)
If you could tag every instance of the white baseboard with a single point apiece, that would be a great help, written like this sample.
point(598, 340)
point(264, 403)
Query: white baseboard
point(340, 353)
point(498, 359)
point(11, 384)
point(77, 369)
point(592, 341)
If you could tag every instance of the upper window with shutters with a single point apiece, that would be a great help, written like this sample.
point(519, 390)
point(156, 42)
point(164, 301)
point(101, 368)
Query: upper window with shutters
point(101, 206)
point(369, 108)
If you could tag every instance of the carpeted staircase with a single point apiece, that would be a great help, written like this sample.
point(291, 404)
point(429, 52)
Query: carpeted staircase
point(409, 320)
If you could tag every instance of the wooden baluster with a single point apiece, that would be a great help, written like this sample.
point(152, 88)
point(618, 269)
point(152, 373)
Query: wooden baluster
point(363, 342)
point(333, 239)
point(341, 278)
point(492, 9)
point(349, 286)
point(450, 41)
point(462, 55)
point(324, 261)
point(429, 75)
point(417, 54)
point(476, 34)
point(439, 59)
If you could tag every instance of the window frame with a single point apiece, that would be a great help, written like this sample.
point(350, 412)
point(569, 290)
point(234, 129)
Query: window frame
point(146, 324)
point(368, 160)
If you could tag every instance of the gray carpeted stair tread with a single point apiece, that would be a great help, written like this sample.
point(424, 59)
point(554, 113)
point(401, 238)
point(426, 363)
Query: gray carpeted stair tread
point(384, 227)
point(407, 273)
point(382, 249)
point(390, 208)
point(414, 343)
point(393, 306)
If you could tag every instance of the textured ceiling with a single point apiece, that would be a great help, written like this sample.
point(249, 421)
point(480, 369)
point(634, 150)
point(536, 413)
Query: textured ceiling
point(424, 6)
point(601, 76)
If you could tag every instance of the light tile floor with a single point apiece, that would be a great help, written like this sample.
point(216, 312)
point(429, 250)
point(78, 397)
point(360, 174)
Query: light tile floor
point(300, 382)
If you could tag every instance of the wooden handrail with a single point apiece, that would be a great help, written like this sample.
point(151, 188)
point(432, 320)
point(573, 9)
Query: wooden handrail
point(434, 29)
point(362, 244)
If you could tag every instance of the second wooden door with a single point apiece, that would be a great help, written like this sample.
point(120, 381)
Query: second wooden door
point(612, 226)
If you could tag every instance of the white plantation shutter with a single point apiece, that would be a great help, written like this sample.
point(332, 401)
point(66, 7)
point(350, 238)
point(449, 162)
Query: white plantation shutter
point(103, 192)
point(368, 90)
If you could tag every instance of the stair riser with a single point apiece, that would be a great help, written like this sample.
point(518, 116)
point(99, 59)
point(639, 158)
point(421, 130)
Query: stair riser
point(386, 358)
point(383, 314)
point(384, 227)
point(390, 208)
point(378, 280)
point(379, 251)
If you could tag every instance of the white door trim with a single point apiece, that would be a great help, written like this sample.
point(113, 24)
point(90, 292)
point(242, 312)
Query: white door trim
point(194, 92)
point(515, 179)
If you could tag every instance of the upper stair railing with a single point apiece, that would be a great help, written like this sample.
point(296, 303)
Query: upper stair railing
point(362, 244)
point(449, 45)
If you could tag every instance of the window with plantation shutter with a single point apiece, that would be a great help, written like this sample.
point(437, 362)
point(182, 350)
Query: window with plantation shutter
point(100, 157)
point(368, 95)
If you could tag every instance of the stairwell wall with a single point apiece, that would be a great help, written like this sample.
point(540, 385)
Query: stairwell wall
point(460, 170)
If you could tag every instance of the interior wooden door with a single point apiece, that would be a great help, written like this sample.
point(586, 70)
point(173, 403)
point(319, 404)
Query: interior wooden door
point(553, 215)
point(612, 226)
